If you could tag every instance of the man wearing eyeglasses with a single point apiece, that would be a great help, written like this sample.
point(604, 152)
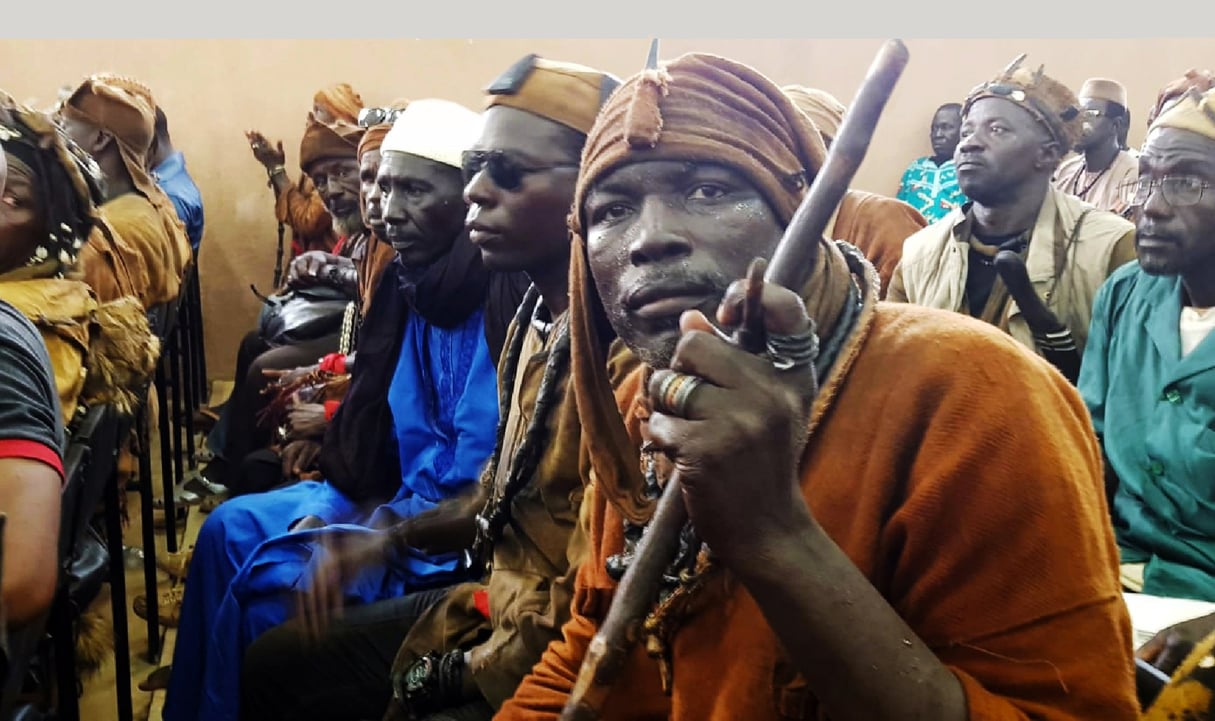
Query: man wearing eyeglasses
point(1102, 174)
point(1021, 254)
point(1148, 376)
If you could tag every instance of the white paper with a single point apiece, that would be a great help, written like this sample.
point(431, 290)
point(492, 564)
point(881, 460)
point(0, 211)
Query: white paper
point(1151, 614)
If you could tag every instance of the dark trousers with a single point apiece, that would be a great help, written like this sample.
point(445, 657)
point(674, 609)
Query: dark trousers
point(341, 677)
point(261, 471)
point(476, 711)
point(242, 433)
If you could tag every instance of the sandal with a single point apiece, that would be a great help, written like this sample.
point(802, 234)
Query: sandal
point(157, 680)
point(210, 503)
point(168, 606)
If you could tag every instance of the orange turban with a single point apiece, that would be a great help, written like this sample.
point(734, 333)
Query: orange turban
point(822, 107)
point(698, 108)
point(706, 108)
point(328, 140)
point(373, 138)
point(1201, 80)
point(565, 93)
point(340, 101)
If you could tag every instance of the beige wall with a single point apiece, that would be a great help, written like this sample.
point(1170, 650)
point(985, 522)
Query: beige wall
point(212, 90)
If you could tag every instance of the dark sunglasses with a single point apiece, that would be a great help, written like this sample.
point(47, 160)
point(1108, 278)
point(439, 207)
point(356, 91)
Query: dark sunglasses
point(369, 117)
point(506, 172)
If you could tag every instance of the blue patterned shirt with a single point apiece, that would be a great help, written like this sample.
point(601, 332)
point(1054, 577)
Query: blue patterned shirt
point(931, 189)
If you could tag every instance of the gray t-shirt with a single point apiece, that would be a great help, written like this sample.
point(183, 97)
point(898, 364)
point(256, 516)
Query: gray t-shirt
point(29, 403)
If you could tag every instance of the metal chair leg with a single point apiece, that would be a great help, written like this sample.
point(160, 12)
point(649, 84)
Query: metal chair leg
point(166, 456)
point(63, 634)
point(177, 403)
point(188, 395)
point(200, 345)
point(148, 515)
point(118, 600)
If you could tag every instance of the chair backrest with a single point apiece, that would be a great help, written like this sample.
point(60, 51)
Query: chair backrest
point(71, 523)
point(164, 317)
point(97, 436)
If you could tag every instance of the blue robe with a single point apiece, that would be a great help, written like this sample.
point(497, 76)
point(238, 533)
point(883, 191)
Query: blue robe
point(247, 570)
point(1154, 413)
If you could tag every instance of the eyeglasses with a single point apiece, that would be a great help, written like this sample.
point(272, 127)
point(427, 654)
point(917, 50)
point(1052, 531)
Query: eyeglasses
point(1178, 190)
point(506, 172)
point(378, 116)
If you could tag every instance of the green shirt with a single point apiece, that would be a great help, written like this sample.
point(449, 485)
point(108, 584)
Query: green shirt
point(1154, 413)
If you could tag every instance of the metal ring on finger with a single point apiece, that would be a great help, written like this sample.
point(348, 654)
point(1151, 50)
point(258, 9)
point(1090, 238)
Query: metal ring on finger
point(798, 350)
point(674, 391)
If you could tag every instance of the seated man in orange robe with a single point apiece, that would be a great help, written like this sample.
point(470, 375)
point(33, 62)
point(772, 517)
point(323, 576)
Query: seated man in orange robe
point(876, 530)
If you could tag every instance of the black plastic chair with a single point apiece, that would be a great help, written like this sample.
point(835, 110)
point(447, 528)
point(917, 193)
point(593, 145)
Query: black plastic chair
point(91, 460)
point(66, 609)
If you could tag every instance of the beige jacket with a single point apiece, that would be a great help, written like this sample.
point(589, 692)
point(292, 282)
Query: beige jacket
point(1065, 271)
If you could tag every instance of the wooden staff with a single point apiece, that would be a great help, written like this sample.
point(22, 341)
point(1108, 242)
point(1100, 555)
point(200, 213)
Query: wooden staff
point(791, 266)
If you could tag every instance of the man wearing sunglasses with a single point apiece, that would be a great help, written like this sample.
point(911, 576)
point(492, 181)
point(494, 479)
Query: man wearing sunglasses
point(415, 427)
point(1102, 174)
point(1148, 375)
point(519, 183)
point(1021, 254)
point(851, 547)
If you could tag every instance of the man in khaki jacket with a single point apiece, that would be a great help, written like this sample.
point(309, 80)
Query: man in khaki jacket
point(1021, 255)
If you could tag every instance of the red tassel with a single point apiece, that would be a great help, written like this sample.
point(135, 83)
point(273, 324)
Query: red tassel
point(481, 601)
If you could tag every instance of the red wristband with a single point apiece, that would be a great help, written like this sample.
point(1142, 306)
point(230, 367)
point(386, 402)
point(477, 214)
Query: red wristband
point(331, 409)
point(333, 363)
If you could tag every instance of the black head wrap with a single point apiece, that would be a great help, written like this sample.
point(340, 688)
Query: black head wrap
point(66, 180)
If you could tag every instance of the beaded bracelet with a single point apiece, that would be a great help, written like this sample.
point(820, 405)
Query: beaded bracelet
point(1060, 341)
